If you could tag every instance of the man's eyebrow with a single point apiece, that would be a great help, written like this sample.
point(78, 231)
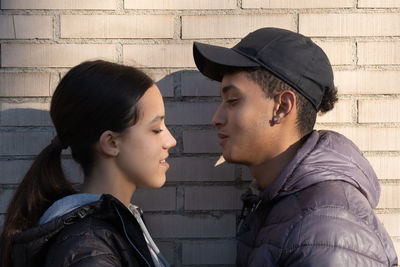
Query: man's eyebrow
point(157, 118)
point(227, 88)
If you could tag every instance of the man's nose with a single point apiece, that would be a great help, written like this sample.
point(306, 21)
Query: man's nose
point(219, 117)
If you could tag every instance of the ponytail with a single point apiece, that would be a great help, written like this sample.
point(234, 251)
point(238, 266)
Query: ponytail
point(43, 184)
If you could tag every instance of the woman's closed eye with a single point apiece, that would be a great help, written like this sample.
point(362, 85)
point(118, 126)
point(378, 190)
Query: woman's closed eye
point(157, 131)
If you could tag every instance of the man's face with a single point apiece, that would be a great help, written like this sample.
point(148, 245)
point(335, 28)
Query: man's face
point(243, 120)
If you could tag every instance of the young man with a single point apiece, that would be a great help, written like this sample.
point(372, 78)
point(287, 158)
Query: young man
point(313, 197)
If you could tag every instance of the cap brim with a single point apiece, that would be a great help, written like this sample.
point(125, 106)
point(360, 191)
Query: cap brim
point(213, 60)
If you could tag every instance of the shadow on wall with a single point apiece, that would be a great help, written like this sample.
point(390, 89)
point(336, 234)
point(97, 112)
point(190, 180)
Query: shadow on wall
point(198, 204)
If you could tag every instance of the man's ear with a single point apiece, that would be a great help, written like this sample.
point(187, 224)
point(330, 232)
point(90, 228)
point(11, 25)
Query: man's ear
point(108, 143)
point(285, 103)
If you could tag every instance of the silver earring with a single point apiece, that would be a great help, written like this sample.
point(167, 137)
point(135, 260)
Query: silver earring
point(275, 119)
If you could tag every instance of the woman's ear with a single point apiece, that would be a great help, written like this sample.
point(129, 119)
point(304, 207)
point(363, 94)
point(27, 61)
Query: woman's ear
point(108, 143)
point(285, 103)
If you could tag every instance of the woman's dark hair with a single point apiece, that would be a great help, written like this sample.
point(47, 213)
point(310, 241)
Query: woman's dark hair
point(91, 98)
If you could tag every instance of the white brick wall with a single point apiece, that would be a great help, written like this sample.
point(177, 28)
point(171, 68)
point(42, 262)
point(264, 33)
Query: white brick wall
point(193, 218)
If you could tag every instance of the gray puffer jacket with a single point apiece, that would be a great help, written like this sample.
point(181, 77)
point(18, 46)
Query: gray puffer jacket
point(318, 212)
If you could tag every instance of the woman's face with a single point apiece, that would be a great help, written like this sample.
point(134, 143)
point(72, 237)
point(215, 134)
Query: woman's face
point(144, 146)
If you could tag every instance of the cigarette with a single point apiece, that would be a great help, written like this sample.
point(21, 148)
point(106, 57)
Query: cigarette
point(219, 161)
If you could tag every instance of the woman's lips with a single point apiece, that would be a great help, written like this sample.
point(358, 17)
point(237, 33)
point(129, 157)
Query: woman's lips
point(224, 139)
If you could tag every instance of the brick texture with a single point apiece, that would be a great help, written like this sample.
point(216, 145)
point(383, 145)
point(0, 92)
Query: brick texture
point(195, 84)
point(368, 82)
point(201, 142)
point(54, 55)
point(386, 167)
point(342, 112)
point(58, 4)
point(117, 26)
point(378, 111)
point(6, 27)
point(378, 53)
point(199, 169)
point(160, 56)
point(25, 114)
point(389, 197)
point(371, 138)
point(28, 27)
point(26, 84)
point(189, 113)
point(213, 198)
point(193, 216)
point(178, 226)
point(296, 4)
point(378, 4)
point(209, 252)
point(231, 26)
point(180, 4)
point(155, 199)
point(385, 24)
point(24, 143)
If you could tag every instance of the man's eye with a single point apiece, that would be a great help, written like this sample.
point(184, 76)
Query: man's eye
point(231, 101)
point(157, 131)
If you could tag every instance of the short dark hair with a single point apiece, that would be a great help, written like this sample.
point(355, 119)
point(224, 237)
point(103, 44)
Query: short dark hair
point(272, 85)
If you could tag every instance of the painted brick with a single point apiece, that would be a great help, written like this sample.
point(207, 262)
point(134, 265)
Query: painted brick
point(72, 171)
point(196, 84)
point(196, 225)
point(205, 141)
point(24, 143)
point(386, 167)
point(161, 56)
point(199, 169)
point(117, 26)
point(213, 198)
point(371, 138)
point(209, 252)
point(25, 114)
point(12, 171)
point(342, 112)
point(58, 4)
point(390, 197)
point(338, 52)
point(181, 113)
point(1, 222)
point(397, 247)
point(6, 27)
point(296, 4)
point(378, 4)
point(246, 175)
point(231, 26)
point(385, 24)
point(5, 197)
point(28, 27)
point(165, 83)
point(368, 82)
point(180, 4)
point(168, 250)
point(384, 110)
point(378, 53)
point(155, 199)
point(26, 84)
point(54, 55)
point(391, 223)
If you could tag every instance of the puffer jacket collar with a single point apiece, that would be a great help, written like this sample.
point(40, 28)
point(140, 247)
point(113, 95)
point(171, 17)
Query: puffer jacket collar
point(325, 156)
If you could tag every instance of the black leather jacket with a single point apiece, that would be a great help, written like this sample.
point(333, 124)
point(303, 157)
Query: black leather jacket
point(102, 233)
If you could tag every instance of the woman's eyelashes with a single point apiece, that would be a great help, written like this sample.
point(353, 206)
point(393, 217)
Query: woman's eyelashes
point(232, 101)
point(157, 131)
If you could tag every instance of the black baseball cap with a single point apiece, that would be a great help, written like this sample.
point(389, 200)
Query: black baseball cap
point(290, 56)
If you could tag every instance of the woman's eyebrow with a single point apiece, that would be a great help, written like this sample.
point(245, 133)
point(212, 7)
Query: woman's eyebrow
point(157, 118)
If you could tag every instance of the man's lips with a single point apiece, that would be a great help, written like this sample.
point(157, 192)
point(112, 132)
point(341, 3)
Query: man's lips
point(223, 138)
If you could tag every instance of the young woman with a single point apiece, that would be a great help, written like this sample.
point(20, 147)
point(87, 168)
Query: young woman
point(112, 118)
